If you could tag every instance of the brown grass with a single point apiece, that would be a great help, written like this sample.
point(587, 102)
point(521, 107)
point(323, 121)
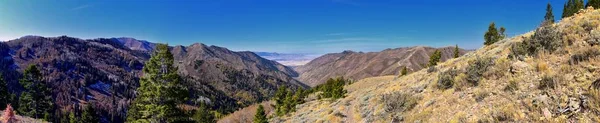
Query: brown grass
point(245, 115)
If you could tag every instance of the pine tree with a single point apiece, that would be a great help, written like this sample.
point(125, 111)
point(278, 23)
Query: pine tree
point(571, 7)
point(435, 58)
point(565, 9)
point(260, 116)
point(160, 91)
point(549, 17)
point(404, 71)
point(89, 115)
point(203, 115)
point(501, 34)
point(456, 51)
point(579, 4)
point(492, 35)
point(280, 97)
point(593, 3)
point(4, 95)
point(36, 100)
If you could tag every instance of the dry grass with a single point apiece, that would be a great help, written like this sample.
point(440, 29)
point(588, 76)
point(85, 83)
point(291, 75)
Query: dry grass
point(246, 114)
point(508, 91)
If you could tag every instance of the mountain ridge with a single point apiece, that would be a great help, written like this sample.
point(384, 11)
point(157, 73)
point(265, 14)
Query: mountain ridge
point(358, 65)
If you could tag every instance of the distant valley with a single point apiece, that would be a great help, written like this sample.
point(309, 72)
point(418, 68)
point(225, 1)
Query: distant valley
point(288, 59)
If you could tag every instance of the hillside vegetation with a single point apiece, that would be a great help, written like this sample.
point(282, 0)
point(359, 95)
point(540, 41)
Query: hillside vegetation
point(359, 65)
point(547, 75)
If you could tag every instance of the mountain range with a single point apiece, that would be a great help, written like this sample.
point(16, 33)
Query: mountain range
point(105, 71)
point(359, 65)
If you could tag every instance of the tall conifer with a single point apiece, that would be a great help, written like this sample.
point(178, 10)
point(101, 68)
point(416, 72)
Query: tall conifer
point(36, 100)
point(160, 91)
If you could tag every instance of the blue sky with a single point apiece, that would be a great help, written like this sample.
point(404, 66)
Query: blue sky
point(286, 26)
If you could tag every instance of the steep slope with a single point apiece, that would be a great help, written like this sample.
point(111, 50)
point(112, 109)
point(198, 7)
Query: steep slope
point(243, 76)
point(358, 65)
point(106, 72)
point(79, 71)
point(134, 44)
point(550, 85)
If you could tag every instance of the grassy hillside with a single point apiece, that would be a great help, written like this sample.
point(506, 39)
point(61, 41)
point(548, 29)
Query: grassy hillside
point(549, 79)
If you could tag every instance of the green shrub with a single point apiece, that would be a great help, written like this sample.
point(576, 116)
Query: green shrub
point(545, 38)
point(431, 69)
point(477, 68)
point(512, 86)
point(399, 102)
point(583, 56)
point(404, 71)
point(547, 82)
point(446, 79)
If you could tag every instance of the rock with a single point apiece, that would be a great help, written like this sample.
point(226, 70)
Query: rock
point(547, 113)
point(429, 103)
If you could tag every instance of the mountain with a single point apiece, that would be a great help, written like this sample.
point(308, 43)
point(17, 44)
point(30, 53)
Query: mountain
point(243, 76)
point(134, 44)
point(288, 59)
point(106, 71)
point(359, 65)
point(547, 75)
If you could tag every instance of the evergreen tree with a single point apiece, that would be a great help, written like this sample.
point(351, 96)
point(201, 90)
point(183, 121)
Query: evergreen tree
point(36, 100)
point(501, 33)
point(160, 91)
point(260, 116)
point(549, 17)
point(435, 58)
point(280, 97)
point(404, 71)
point(571, 7)
point(566, 9)
point(579, 4)
point(593, 3)
point(492, 35)
point(203, 115)
point(89, 115)
point(456, 51)
point(4, 95)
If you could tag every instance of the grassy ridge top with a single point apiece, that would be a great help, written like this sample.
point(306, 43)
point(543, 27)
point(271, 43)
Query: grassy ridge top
point(548, 86)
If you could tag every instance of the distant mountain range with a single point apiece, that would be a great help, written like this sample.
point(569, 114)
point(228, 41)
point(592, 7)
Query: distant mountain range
point(106, 71)
point(288, 59)
point(359, 65)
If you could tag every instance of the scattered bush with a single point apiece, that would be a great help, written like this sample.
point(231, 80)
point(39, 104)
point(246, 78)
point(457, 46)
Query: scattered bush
point(541, 66)
point(518, 50)
point(547, 82)
point(477, 68)
point(480, 95)
point(594, 37)
point(431, 69)
point(404, 71)
point(594, 92)
point(545, 38)
point(446, 79)
point(584, 55)
point(512, 86)
point(399, 102)
point(460, 81)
